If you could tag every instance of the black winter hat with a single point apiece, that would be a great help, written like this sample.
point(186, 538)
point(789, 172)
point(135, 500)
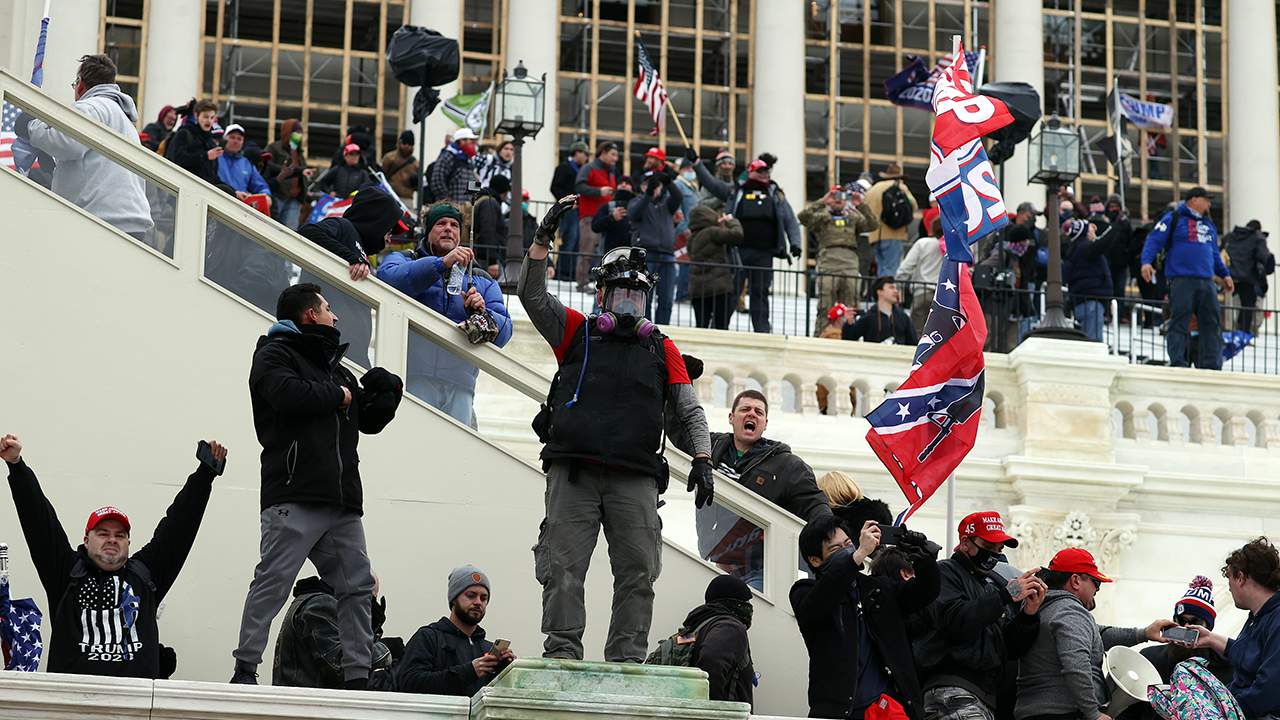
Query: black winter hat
point(857, 513)
point(406, 137)
point(500, 184)
point(727, 587)
point(374, 213)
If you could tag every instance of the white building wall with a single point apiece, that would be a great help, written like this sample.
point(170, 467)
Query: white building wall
point(1253, 117)
point(533, 32)
point(777, 95)
point(73, 32)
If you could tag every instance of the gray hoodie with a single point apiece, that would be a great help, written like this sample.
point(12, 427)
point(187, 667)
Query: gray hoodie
point(1062, 672)
point(89, 179)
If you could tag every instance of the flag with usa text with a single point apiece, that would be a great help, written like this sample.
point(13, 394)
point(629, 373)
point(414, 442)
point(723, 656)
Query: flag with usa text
point(928, 425)
point(15, 153)
point(649, 89)
point(960, 176)
point(19, 631)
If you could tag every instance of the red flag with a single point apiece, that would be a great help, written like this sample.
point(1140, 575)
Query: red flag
point(928, 425)
point(963, 116)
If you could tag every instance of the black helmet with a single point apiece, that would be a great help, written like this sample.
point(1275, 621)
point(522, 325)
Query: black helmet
point(624, 267)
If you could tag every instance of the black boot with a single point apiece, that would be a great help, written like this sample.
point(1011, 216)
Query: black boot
point(244, 674)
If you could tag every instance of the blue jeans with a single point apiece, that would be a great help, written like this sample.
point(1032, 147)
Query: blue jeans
point(449, 398)
point(1090, 314)
point(568, 244)
point(288, 213)
point(665, 268)
point(888, 257)
point(682, 281)
point(1189, 295)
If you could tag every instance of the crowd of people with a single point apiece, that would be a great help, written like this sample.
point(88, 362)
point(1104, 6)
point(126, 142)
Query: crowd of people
point(891, 630)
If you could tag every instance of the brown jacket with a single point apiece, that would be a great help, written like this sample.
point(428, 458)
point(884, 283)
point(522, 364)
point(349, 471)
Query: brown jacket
point(875, 203)
point(401, 172)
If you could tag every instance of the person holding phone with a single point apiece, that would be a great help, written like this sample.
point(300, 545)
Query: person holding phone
point(103, 599)
point(979, 624)
point(854, 625)
point(837, 223)
point(1194, 614)
point(451, 656)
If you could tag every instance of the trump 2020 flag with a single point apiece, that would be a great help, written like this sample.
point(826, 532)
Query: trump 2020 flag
point(19, 631)
point(961, 115)
point(969, 201)
point(928, 425)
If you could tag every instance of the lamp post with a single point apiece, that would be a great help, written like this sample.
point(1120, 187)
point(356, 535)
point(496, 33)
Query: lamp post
point(1053, 160)
point(521, 104)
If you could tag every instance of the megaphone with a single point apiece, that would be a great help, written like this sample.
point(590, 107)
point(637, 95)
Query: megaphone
point(1128, 676)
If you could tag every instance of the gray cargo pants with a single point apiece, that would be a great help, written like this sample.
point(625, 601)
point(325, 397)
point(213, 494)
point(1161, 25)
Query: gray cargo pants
point(333, 538)
point(580, 498)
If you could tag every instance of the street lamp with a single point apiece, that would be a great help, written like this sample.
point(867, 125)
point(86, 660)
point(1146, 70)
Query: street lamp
point(1053, 160)
point(521, 105)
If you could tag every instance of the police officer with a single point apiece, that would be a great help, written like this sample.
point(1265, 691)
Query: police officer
point(602, 434)
point(836, 221)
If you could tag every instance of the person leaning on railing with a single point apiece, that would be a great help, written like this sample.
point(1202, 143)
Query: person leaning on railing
point(84, 176)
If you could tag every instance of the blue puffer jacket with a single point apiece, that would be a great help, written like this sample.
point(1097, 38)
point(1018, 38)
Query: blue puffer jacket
point(1255, 660)
point(238, 172)
point(1192, 242)
point(423, 278)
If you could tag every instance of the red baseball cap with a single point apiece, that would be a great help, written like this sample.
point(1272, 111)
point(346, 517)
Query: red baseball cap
point(837, 311)
point(1077, 561)
point(987, 525)
point(656, 152)
point(351, 148)
point(757, 165)
point(106, 512)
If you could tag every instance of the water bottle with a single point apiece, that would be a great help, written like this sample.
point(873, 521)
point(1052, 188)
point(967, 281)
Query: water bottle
point(456, 275)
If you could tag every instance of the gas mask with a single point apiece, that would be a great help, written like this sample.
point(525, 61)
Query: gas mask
point(626, 282)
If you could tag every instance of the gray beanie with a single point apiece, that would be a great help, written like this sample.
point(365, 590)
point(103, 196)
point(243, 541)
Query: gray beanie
point(464, 577)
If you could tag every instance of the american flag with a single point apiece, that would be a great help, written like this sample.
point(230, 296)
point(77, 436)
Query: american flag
point(649, 89)
point(16, 154)
point(19, 631)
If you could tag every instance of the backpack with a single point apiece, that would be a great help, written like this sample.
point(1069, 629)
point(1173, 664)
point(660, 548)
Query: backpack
point(678, 649)
point(1194, 693)
point(896, 211)
point(428, 197)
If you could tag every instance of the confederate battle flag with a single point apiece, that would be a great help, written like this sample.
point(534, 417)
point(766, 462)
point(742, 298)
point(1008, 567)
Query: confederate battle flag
point(923, 430)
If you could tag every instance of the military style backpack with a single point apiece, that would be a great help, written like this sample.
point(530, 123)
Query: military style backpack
point(678, 649)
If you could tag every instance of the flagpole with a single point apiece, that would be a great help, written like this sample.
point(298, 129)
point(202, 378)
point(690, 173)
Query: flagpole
point(951, 504)
point(679, 127)
point(1115, 111)
point(982, 68)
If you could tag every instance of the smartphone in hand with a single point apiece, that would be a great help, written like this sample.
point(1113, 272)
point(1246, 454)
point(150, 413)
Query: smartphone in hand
point(204, 454)
point(889, 534)
point(1180, 635)
point(500, 646)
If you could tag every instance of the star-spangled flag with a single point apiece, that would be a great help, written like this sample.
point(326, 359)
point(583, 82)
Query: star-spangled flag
point(962, 115)
point(924, 429)
point(20, 641)
point(16, 153)
point(969, 201)
point(649, 89)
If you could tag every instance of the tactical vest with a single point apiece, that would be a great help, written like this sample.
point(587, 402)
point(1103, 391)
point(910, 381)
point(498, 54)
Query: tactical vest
point(614, 415)
point(756, 205)
point(841, 232)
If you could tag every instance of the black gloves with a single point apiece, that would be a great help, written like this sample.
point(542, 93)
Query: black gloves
point(381, 380)
point(916, 546)
point(691, 154)
point(378, 614)
point(701, 480)
point(20, 126)
point(795, 251)
point(546, 234)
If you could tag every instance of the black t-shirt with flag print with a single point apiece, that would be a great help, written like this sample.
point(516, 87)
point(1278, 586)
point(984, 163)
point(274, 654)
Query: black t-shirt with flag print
point(104, 623)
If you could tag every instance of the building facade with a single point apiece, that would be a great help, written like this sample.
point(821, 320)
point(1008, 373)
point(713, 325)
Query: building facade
point(803, 80)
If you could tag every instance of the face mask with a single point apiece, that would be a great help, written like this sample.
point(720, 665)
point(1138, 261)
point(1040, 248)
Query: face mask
point(468, 150)
point(295, 140)
point(740, 609)
point(688, 175)
point(985, 560)
point(524, 206)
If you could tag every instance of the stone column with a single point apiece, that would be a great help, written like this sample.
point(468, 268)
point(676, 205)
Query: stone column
point(446, 19)
point(1019, 57)
point(532, 37)
point(1253, 124)
point(777, 100)
point(173, 77)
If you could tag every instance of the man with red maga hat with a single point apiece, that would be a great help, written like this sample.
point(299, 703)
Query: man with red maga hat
point(102, 599)
point(979, 625)
point(1061, 675)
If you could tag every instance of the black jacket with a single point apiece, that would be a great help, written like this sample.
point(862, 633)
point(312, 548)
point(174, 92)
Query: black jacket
point(438, 658)
point(829, 616)
point(342, 180)
point(1247, 251)
point(772, 471)
point(874, 327)
point(613, 233)
point(362, 229)
point(308, 648)
point(308, 441)
point(123, 639)
point(723, 652)
point(563, 180)
point(189, 149)
point(974, 632)
point(490, 229)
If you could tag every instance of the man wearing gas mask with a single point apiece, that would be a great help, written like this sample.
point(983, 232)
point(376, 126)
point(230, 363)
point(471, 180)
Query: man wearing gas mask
point(602, 434)
point(979, 626)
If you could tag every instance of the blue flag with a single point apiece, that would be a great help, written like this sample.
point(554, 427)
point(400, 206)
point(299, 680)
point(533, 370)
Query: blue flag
point(19, 631)
point(913, 85)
